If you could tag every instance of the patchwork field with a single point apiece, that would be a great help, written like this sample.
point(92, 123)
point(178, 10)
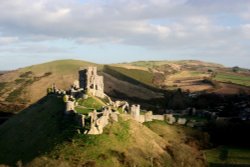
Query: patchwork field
point(188, 80)
point(233, 78)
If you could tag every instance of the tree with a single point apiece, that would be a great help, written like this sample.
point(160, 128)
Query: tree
point(209, 70)
point(236, 69)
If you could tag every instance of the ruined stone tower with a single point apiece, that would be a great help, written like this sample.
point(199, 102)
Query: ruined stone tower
point(91, 82)
point(135, 112)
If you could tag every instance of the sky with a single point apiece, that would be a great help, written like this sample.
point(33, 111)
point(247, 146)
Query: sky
point(112, 31)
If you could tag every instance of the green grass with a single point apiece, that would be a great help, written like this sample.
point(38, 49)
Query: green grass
point(2, 85)
point(58, 67)
point(195, 73)
point(100, 150)
point(83, 110)
point(233, 78)
point(182, 75)
point(151, 64)
point(20, 80)
point(236, 156)
point(142, 76)
point(91, 102)
point(34, 131)
point(15, 95)
point(156, 122)
point(43, 131)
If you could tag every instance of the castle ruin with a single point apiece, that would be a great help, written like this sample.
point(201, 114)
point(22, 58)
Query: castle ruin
point(91, 82)
point(94, 122)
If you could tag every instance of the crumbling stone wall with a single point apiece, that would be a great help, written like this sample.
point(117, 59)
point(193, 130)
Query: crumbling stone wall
point(159, 117)
point(101, 119)
point(70, 107)
point(135, 112)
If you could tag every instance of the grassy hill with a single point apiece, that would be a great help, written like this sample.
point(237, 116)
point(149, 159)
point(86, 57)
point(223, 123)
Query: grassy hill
point(142, 82)
point(29, 84)
point(34, 131)
point(41, 135)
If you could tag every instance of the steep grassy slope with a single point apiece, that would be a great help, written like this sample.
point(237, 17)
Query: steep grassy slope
point(184, 143)
point(41, 135)
point(126, 143)
point(131, 75)
point(32, 132)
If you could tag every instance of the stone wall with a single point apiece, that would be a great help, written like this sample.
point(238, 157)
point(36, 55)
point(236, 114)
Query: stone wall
point(135, 112)
point(99, 120)
point(70, 107)
point(158, 117)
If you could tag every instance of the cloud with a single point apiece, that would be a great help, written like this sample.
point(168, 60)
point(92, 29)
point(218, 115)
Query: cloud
point(8, 40)
point(174, 26)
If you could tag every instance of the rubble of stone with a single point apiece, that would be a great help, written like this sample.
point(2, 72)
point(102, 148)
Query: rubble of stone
point(123, 105)
point(98, 120)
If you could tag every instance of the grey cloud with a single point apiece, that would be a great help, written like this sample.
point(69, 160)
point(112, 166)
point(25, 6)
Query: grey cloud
point(185, 26)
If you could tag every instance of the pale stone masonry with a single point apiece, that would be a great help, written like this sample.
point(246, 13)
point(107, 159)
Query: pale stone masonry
point(91, 82)
point(70, 107)
point(135, 112)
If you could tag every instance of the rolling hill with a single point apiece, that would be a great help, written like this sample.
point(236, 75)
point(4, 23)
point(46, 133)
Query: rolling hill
point(144, 82)
point(40, 135)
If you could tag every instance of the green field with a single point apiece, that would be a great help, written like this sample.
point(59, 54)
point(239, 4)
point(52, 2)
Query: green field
point(233, 78)
point(236, 156)
point(182, 75)
point(142, 76)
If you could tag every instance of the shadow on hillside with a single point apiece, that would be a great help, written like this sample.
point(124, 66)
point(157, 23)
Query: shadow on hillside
point(35, 131)
point(4, 116)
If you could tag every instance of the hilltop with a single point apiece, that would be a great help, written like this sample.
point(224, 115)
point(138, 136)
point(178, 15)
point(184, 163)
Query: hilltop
point(142, 82)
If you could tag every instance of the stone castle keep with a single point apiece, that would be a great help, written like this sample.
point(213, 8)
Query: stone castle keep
point(91, 82)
